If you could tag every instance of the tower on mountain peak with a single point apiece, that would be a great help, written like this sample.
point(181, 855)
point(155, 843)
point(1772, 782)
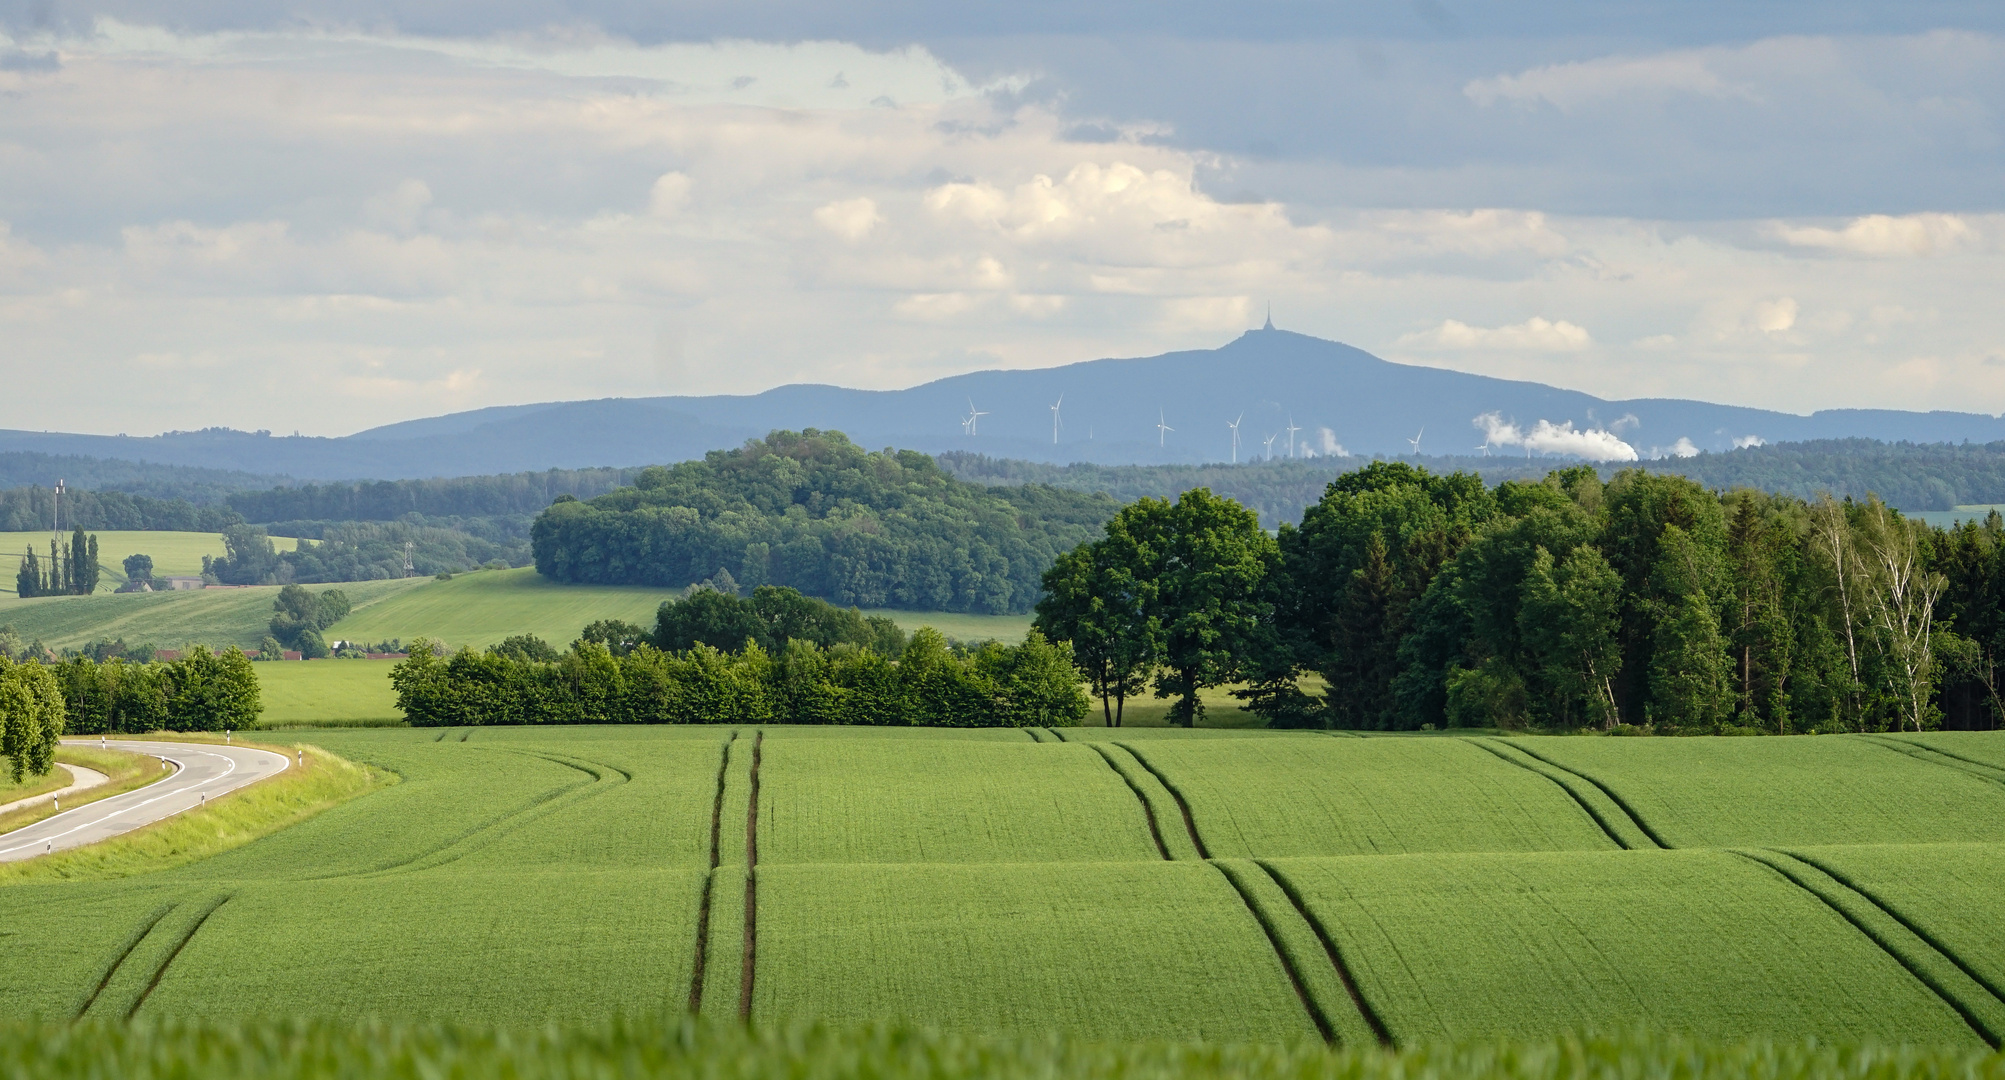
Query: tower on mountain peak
point(1270, 316)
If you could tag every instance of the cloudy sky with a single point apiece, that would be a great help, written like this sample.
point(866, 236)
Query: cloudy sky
point(324, 216)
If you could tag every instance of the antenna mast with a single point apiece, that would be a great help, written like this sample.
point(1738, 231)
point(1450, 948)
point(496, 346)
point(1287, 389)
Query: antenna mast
point(408, 545)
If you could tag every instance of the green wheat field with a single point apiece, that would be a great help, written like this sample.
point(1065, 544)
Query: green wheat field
point(1143, 887)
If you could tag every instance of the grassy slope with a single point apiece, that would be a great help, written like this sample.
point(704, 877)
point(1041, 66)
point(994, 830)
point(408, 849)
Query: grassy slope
point(174, 553)
point(216, 617)
point(1476, 945)
point(327, 691)
point(1826, 789)
point(1337, 796)
point(481, 608)
point(520, 875)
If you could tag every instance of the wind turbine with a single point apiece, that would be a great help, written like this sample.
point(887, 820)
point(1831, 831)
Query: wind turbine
point(1054, 420)
point(1415, 441)
point(1162, 429)
point(1291, 429)
point(1485, 448)
point(973, 416)
point(1235, 438)
point(1269, 444)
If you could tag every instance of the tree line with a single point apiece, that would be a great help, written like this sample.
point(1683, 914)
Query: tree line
point(1648, 602)
point(511, 494)
point(362, 551)
point(1910, 476)
point(33, 509)
point(929, 683)
point(813, 511)
point(42, 702)
point(72, 569)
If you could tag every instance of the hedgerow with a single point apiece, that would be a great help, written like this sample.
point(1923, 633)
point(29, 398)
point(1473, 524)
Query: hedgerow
point(1031, 684)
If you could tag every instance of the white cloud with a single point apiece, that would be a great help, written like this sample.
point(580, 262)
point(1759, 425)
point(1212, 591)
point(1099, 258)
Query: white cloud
point(1532, 334)
point(851, 219)
point(1683, 448)
point(1741, 442)
point(1775, 316)
point(1572, 85)
point(669, 194)
point(1326, 441)
point(1884, 235)
point(1546, 437)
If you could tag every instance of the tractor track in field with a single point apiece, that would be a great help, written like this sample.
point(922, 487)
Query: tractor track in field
point(175, 953)
point(1782, 868)
point(1315, 1011)
point(1990, 986)
point(125, 950)
point(1576, 796)
point(1941, 758)
point(748, 970)
point(1337, 962)
point(1148, 812)
point(701, 963)
point(1634, 818)
point(483, 833)
point(1190, 823)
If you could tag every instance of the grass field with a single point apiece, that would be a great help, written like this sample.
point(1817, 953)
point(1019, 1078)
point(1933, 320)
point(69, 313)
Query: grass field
point(1282, 888)
point(670, 1047)
point(174, 553)
point(168, 620)
point(327, 692)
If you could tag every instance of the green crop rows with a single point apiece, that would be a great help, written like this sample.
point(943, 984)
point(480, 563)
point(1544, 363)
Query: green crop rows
point(1126, 884)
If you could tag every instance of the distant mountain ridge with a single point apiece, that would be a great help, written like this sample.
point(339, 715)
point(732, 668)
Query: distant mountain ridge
point(1168, 409)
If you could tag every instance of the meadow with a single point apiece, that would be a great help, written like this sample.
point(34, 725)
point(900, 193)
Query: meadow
point(174, 553)
point(1216, 886)
point(169, 620)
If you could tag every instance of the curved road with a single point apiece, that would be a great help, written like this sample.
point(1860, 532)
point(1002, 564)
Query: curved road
point(204, 771)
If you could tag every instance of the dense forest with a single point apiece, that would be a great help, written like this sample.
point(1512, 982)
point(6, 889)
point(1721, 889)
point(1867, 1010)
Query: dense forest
point(513, 494)
point(813, 511)
point(1644, 603)
point(1907, 476)
point(33, 509)
point(203, 487)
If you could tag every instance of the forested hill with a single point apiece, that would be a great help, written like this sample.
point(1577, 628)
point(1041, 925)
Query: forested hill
point(1907, 476)
point(814, 511)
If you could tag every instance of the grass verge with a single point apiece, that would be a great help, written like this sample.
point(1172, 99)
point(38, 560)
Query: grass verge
point(126, 771)
point(230, 821)
point(728, 1052)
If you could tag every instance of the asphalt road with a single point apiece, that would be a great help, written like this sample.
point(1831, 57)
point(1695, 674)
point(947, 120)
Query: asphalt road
point(204, 771)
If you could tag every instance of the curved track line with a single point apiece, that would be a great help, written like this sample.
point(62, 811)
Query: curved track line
point(1337, 961)
point(1634, 817)
point(702, 961)
point(132, 941)
point(1149, 812)
point(161, 971)
point(1316, 1017)
point(1190, 823)
point(751, 886)
point(1554, 781)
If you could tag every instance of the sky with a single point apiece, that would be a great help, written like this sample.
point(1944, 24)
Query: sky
point(322, 216)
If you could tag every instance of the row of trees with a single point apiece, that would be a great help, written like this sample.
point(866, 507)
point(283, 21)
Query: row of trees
point(298, 617)
point(813, 511)
point(929, 684)
point(365, 551)
point(31, 718)
point(1423, 600)
point(202, 691)
point(72, 570)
